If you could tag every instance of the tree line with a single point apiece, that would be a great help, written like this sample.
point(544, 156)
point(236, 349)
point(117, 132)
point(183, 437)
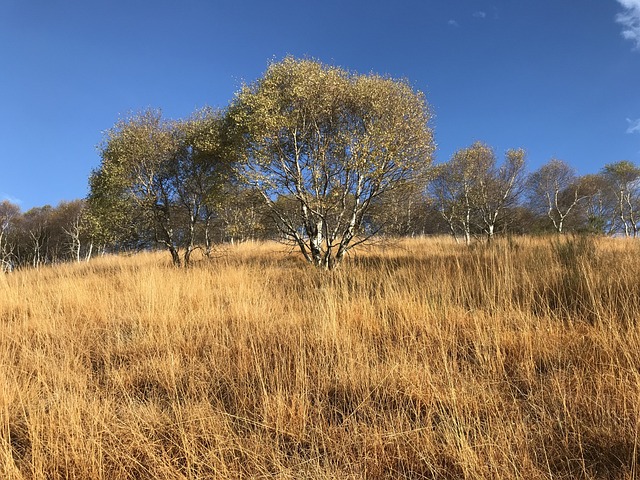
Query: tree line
point(313, 155)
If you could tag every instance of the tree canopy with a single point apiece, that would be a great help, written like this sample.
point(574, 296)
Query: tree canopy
point(160, 176)
point(333, 142)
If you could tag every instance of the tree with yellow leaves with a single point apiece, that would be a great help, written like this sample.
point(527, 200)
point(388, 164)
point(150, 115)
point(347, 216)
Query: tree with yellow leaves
point(332, 142)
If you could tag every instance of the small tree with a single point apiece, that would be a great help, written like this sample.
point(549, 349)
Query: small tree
point(69, 218)
point(241, 215)
point(497, 187)
point(452, 186)
point(35, 246)
point(401, 211)
point(334, 141)
point(555, 189)
point(600, 204)
point(472, 192)
point(624, 181)
point(8, 215)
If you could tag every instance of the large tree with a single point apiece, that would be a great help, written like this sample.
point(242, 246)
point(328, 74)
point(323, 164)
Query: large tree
point(333, 142)
point(159, 175)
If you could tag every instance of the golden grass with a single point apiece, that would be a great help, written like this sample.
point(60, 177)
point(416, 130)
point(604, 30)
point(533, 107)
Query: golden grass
point(424, 359)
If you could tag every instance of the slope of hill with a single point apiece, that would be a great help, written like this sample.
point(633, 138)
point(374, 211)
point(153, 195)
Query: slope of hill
point(421, 359)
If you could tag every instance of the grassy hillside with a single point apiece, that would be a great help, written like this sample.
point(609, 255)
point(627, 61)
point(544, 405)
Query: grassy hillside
point(422, 359)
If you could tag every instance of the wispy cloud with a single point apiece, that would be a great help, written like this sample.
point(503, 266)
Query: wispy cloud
point(634, 126)
point(10, 198)
point(480, 14)
point(630, 20)
point(453, 23)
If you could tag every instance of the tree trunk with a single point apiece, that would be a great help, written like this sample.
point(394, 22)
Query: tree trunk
point(490, 232)
point(315, 243)
point(187, 255)
point(78, 246)
point(175, 256)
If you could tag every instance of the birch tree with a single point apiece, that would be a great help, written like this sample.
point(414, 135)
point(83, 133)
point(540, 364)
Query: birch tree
point(137, 156)
point(241, 215)
point(401, 212)
point(202, 169)
point(36, 228)
point(624, 180)
point(8, 214)
point(497, 187)
point(333, 141)
point(600, 204)
point(556, 189)
point(69, 218)
point(160, 174)
point(452, 187)
point(471, 191)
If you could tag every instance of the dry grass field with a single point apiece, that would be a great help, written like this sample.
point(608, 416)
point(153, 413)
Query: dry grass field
point(420, 360)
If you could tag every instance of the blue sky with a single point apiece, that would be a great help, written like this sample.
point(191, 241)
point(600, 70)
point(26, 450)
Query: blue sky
point(560, 78)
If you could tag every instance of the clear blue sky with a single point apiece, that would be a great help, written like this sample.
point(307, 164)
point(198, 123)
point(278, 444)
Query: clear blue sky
point(556, 77)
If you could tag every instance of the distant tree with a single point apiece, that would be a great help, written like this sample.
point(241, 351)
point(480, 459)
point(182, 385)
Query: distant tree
point(9, 212)
point(472, 191)
point(333, 142)
point(556, 190)
point(521, 220)
point(599, 207)
point(452, 187)
point(44, 235)
point(34, 241)
point(159, 176)
point(624, 181)
point(430, 220)
point(242, 215)
point(497, 187)
point(72, 229)
point(400, 211)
